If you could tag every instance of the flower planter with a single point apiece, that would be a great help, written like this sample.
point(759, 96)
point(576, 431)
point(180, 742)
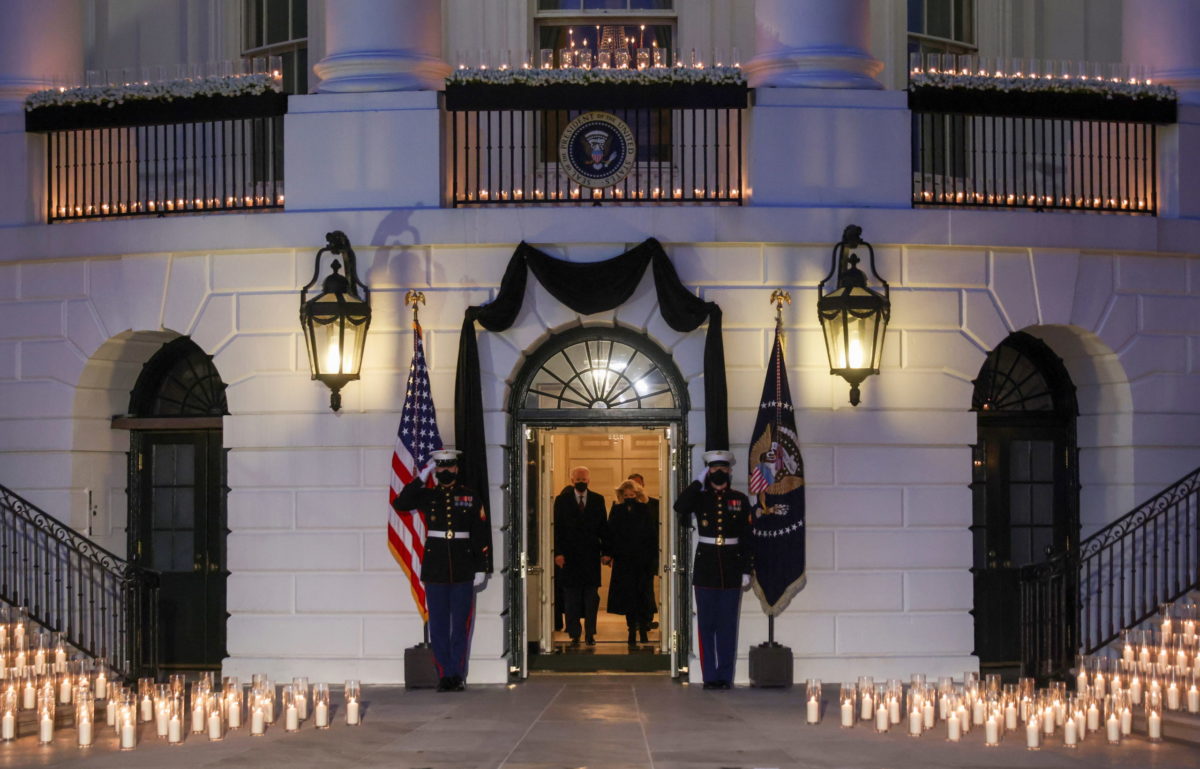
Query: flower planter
point(1064, 105)
point(146, 112)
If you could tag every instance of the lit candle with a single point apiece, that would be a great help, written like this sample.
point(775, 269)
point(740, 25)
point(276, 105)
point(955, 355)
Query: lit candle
point(352, 712)
point(1113, 728)
point(1126, 722)
point(1135, 690)
point(943, 707)
point(29, 696)
point(1173, 697)
point(258, 722)
point(60, 660)
point(214, 724)
point(39, 662)
point(46, 728)
point(110, 713)
point(978, 712)
point(915, 721)
point(848, 714)
point(1081, 681)
point(292, 722)
point(1048, 720)
point(85, 734)
point(1093, 717)
point(953, 730)
point(964, 718)
point(128, 734)
point(8, 726)
point(882, 722)
point(893, 704)
point(162, 720)
point(1193, 700)
point(1032, 736)
point(991, 731)
point(175, 730)
point(198, 716)
point(321, 715)
point(1154, 726)
point(813, 711)
point(147, 708)
point(1070, 733)
point(1144, 653)
point(235, 712)
point(1010, 717)
point(1099, 685)
point(64, 691)
point(928, 714)
point(101, 686)
point(868, 706)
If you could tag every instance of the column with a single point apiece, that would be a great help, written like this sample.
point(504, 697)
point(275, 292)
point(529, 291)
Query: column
point(39, 42)
point(813, 44)
point(1164, 35)
point(382, 45)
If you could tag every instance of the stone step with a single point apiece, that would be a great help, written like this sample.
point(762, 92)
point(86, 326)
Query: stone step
point(1178, 726)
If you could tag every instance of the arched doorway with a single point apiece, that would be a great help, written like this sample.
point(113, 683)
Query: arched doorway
point(612, 399)
point(1024, 483)
point(177, 491)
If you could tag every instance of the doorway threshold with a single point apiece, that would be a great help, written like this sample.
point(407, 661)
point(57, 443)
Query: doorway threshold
point(583, 662)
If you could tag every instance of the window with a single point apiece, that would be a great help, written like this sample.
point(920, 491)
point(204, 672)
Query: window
point(941, 26)
point(280, 28)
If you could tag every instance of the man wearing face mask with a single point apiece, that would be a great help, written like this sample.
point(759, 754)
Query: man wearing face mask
point(580, 537)
point(722, 566)
point(457, 560)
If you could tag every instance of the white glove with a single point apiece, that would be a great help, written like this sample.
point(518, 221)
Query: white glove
point(426, 471)
point(480, 578)
point(745, 581)
point(702, 474)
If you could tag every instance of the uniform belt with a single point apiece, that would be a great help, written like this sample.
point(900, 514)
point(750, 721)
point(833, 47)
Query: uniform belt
point(717, 540)
point(448, 534)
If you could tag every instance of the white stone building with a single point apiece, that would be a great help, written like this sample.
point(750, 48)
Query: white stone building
point(367, 148)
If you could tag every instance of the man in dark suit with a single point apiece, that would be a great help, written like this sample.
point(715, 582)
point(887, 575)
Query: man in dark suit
point(580, 539)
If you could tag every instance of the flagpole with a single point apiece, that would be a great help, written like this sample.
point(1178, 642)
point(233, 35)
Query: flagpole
point(778, 297)
point(415, 299)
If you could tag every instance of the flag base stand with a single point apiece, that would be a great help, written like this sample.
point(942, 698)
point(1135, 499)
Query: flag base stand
point(420, 672)
point(771, 666)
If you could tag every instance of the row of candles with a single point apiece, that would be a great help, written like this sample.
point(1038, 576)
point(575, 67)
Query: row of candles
point(168, 206)
point(979, 198)
point(208, 712)
point(611, 193)
point(571, 57)
point(228, 68)
point(1000, 67)
point(1036, 716)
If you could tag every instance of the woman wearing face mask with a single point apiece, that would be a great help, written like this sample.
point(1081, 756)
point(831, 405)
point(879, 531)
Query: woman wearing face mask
point(633, 547)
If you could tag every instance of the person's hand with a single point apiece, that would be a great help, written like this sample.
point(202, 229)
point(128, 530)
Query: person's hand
point(745, 581)
point(427, 470)
point(480, 578)
point(560, 561)
point(700, 476)
point(606, 560)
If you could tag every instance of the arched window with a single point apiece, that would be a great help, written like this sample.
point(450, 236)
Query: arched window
point(178, 381)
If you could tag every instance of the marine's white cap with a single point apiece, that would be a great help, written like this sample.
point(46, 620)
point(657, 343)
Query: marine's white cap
point(445, 456)
point(719, 456)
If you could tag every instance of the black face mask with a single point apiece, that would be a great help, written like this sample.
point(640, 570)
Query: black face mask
point(718, 477)
point(581, 486)
point(446, 476)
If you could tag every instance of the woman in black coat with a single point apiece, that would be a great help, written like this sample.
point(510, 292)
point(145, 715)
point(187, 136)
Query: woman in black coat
point(633, 546)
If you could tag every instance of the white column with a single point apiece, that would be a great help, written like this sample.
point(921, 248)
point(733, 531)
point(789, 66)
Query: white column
point(382, 45)
point(813, 44)
point(1164, 35)
point(39, 42)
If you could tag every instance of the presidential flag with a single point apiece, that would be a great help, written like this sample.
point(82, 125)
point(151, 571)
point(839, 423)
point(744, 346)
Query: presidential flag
point(416, 439)
point(777, 491)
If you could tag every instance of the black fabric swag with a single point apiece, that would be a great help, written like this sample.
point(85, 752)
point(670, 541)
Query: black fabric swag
point(586, 288)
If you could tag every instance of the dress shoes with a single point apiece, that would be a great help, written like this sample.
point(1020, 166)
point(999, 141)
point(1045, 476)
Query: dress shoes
point(707, 685)
point(590, 641)
point(575, 641)
point(726, 684)
point(644, 635)
point(445, 684)
point(458, 684)
point(632, 639)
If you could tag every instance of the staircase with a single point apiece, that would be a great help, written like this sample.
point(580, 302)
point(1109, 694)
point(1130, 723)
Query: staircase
point(1079, 602)
point(103, 605)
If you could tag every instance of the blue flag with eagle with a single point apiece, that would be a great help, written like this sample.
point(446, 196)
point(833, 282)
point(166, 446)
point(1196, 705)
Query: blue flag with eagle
point(777, 491)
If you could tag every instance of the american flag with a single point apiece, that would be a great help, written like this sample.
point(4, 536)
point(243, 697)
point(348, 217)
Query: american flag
point(416, 439)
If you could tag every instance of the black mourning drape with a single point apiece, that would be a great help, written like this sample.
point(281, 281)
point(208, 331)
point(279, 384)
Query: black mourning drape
point(586, 288)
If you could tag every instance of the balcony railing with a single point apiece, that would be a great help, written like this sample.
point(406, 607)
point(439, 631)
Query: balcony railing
point(511, 144)
point(203, 154)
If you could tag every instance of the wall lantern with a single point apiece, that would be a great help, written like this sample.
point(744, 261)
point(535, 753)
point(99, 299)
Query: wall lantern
point(335, 321)
point(853, 316)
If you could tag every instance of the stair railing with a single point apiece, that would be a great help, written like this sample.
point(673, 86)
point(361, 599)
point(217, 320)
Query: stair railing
point(1117, 578)
point(103, 605)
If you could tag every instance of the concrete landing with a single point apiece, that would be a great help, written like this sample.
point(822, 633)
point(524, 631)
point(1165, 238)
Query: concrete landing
point(599, 722)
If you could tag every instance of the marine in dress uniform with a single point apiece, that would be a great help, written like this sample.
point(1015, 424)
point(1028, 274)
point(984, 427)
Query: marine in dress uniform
point(457, 559)
point(722, 566)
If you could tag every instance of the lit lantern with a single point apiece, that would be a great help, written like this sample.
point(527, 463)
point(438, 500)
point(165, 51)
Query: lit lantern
point(854, 317)
point(335, 321)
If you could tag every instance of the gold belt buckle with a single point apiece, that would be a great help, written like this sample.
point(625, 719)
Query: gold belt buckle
point(449, 534)
point(720, 539)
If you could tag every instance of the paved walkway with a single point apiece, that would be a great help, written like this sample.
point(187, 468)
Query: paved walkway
point(599, 722)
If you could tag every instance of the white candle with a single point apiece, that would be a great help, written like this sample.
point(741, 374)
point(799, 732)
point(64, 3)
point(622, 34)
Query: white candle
point(978, 712)
point(198, 717)
point(1060, 713)
point(1135, 690)
point(60, 661)
point(85, 734)
point(29, 697)
point(1032, 736)
point(1154, 726)
point(19, 660)
point(110, 713)
point(174, 731)
point(292, 723)
point(147, 708)
point(991, 731)
point(162, 722)
point(915, 721)
point(39, 662)
point(1081, 681)
point(352, 713)
point(302, 706)
point(868, 706)
point(1126, 722)
point(46, 729)
point(943, 707)
point(1173, 697)
point(235, 714)
point(1093, 718)
point(953, 731)
point(813, 711)
point(8, 726)
point(1193, 700)
point(1127, 653)
point(1113, 727)
point(881, 718)
point(1099, 685)
point(1010, 717)
point(1070, 733)
point(64, 691)
point(928, 714)
point(847, 713)
point(258, 723)
point(964, 719)
point(1181, 660)
point(893, 704)
point(1048, 720)
point(1144, 655)
point(101, 686)
point(214, 724)
point(128, 736)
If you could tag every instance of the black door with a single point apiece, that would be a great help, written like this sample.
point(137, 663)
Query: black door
point(178, 530)
point(1024, 486)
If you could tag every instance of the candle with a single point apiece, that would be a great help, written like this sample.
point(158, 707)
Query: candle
point(1093, 718)
point(258, 723)
point(1099, 685)
point(953, 731)
point(1010, 717)
point(175, 730)
point(292, 722)
point(893, 704)
point(46, 728)
point(1173, 697)
point(915, 721)
point(978, 712)
point(128, 735)
point(1070, 733)
point(1127, 653)
point(1113, 727)
point(928, 714)
point(1135, 690)
point(214, 724)
point(1081, 681)
point(8, 726)
point(147, 708)
point(162, 721)
point(64, 691)
point(235, 713)
point(1193, 700)
point(1144, 655)
point(110, 713)
point(85, 734)
point(198, 716)
point(101, 686)
point(1154, 726)
point(352, 712)
point(1126, 722)
point(302, 706)
point(847, 713)
point(943, 707)
point(868, 706)
point(39, 662)
point(1032, 735)
point(1048, 720)
point(991, 731)
point(813, 711)
point(60, 661)
point(881, 718)
point(29, 696)
point(964, 718)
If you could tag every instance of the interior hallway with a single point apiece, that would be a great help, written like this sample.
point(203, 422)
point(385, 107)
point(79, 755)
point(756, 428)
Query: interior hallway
point(599, 722)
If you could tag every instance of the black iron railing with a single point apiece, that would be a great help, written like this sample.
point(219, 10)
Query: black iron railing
point(504, 144)
point(103, 605)
point(203, 155)
point(998, 161)
point(1120, 576)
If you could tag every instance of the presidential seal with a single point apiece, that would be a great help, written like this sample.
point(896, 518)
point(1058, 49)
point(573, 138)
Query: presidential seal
point(597, 149)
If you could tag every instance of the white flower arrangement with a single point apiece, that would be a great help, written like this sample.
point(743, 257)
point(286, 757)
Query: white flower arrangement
point(165, 91)
point(1105, 88)
point(595, 76)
